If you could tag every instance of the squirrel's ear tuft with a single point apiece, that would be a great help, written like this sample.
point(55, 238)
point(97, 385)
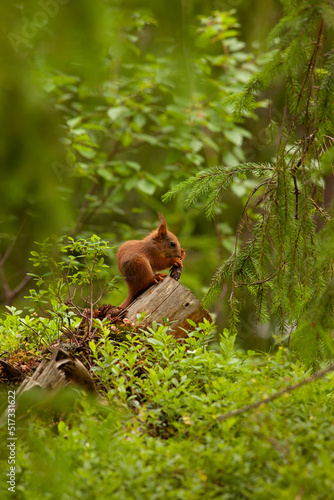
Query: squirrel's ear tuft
point(162, 219)
point(162, 231)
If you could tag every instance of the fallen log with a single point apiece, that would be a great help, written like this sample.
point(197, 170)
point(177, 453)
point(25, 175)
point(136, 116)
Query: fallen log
point(169, 299)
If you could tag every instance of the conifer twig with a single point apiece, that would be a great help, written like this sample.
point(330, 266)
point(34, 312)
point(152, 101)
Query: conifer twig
point(259, 282)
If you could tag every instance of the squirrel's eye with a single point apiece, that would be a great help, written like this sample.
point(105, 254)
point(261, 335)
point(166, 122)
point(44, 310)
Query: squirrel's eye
point(172, 244)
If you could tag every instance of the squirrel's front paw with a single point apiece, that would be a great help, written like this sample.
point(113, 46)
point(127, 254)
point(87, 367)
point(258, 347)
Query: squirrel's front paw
point(177, 262)
point(159, 277)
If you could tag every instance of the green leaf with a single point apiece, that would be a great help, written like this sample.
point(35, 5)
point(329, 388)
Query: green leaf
point(234, 136)
point(119, 112)
point(150, 139)
point(146, 186)
point(103, 172)
point(154, 341)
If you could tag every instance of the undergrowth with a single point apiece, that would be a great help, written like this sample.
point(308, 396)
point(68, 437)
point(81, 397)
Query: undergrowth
point(156, 430)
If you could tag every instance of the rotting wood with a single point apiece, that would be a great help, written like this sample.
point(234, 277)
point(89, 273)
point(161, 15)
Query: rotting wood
point(11, 371)
point(62, 370)
point(169, 299)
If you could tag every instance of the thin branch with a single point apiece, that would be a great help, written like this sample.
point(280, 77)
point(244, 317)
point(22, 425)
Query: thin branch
point(83, 209)
point(221, 299)
point(220, 241)
point(11, 245)
point(35, 332)
point(266, 183)
point(217, 276)
point(8, 294)
point(322, 212)
point(20, 286)
point(260, 282)
point(296, 193)
point(277, 395)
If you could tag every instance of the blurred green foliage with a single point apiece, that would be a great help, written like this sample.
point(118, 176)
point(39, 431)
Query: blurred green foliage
point(107, 106)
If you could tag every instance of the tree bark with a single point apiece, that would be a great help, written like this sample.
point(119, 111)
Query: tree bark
point(169, 299)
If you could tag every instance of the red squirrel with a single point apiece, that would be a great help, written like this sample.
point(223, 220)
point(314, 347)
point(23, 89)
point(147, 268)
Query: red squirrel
point(139, 260)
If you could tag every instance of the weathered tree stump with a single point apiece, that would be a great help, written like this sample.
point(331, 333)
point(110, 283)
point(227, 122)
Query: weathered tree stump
point(169, 299)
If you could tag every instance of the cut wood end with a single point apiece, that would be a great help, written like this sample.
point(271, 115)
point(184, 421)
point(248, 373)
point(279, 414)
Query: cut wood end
point(169, 299)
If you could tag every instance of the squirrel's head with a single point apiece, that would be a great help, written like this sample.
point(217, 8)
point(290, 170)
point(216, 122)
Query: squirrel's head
point(168, 242)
